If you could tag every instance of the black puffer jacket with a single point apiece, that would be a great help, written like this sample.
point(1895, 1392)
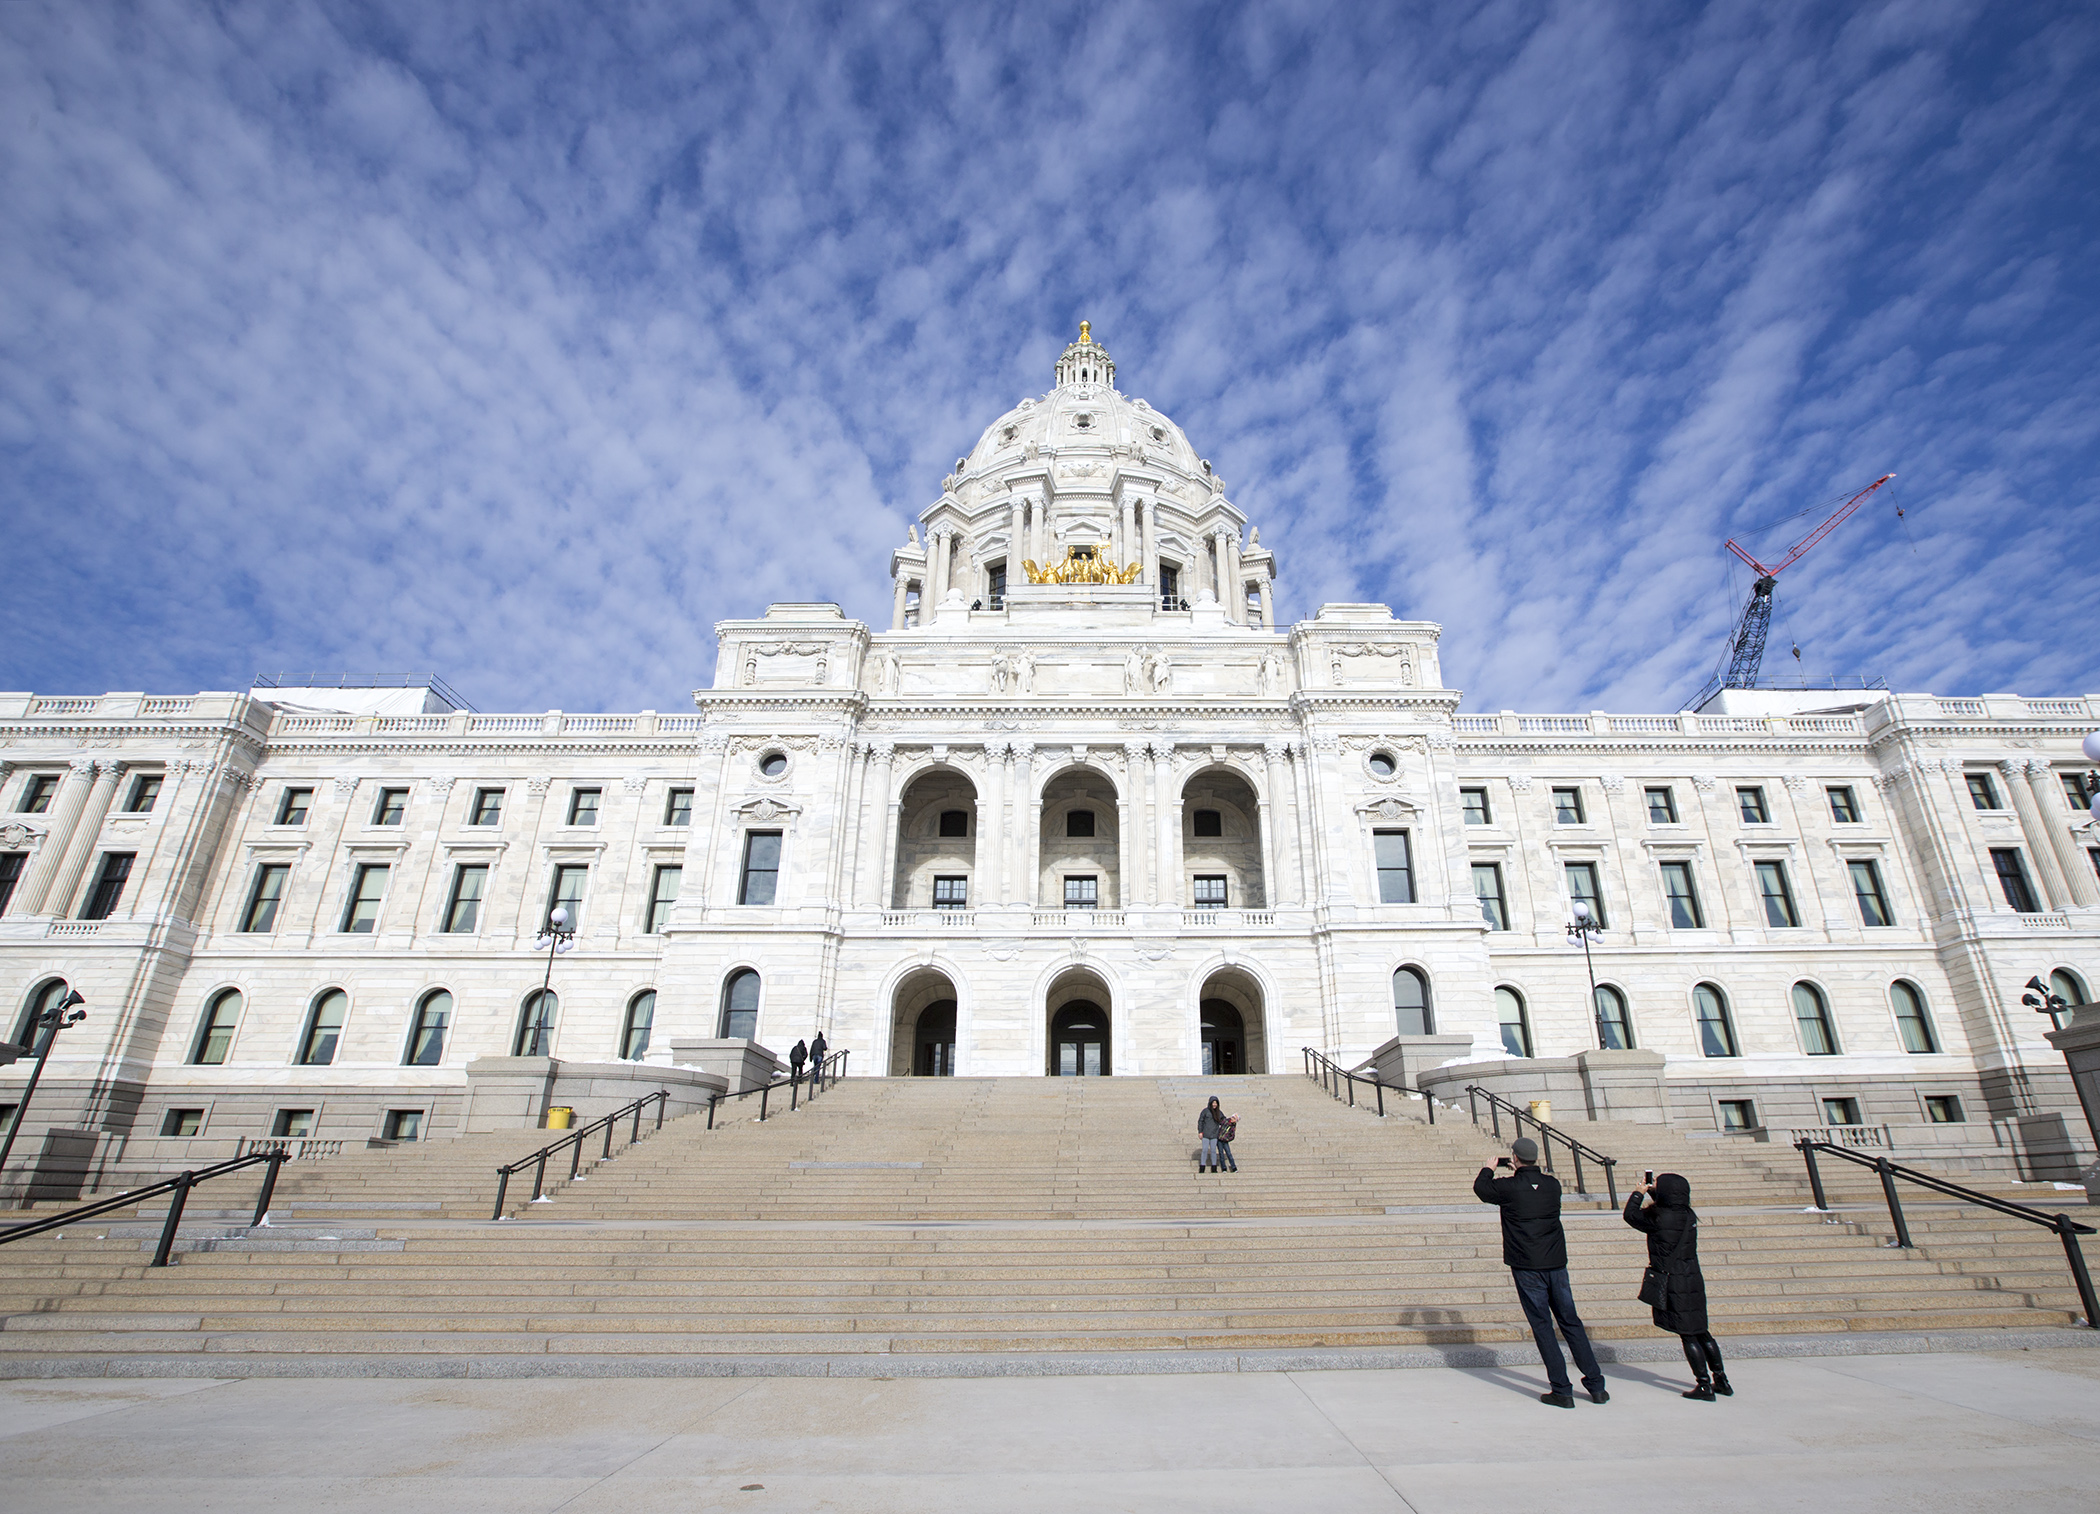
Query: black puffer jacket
point(1530, 1202)
point(1673, 1247)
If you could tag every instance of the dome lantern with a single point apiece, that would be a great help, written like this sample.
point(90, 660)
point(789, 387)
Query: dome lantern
point(1086, 361)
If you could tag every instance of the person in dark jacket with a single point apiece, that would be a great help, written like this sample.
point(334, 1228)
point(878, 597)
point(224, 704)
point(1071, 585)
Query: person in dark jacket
point(816, 1056)
point(797, 1055)
point(1535, 1249)
point(1209, 1125)
point(1664, 1214)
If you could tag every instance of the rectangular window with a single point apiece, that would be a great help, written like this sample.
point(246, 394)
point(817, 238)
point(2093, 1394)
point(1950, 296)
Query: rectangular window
point(1751, 801)
point(1077, 822)
point(957, 823)
point(1866, 888)
point(145, 789)
point(2074, 792)
point(1170, 588)
point(1209, 823)
point(1487, 887)
point(1944, 1109)
point(2012, 879)
point(1582, 884)
point(293, 807)
point(1982, 792)
point(488, 807)
point(995, 585)
point(761, 868)
point(1683, 897)
point(1842, 809)
point(1841, 1111)
point(1396, 874)
point(1737, 1114)
point(463, 909)
point(403, 1124)
point(391, 805)
point(361, 915)
point(182, 1122)
point(109, 885)
point(678, 807)
point(951, 893)
point(1662, 807)
point(663, 893)
point(293, 1122)
point(567, 893)
point(37, 792)
point(1567, 806)
point(1210, 891)
point(1475, 804)
point(11, 865)
point(1779, 899)
point(260, 917)
point(1082, 893)
point(583, 806)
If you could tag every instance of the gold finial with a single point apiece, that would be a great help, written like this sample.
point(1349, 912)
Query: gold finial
point(1085, 332)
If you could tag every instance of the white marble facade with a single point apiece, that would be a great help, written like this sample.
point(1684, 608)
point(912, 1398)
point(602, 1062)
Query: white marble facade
point(1145, 744)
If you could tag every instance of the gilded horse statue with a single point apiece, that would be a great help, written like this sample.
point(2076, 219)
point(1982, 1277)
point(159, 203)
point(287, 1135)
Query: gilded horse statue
point(1082, 569)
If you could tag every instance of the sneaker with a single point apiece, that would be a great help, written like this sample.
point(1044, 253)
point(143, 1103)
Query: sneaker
point(1558, 1400)
point(1599, 1396)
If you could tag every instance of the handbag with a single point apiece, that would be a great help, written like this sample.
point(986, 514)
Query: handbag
point(1655, 1281)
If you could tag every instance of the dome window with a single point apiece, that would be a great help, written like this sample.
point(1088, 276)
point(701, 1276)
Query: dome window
point(1083, 421)
point(1009, 433)
point(1382, 764)
point(773, 764)
point(1159, 433)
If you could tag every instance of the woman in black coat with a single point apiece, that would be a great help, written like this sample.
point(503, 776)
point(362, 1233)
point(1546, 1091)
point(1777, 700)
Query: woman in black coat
point(1664, 1214)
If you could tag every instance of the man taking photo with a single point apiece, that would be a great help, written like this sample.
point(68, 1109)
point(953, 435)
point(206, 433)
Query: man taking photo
point(1535, 1250)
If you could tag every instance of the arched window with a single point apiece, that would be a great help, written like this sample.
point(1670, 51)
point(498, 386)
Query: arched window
point(2069, 987)
point(535, 1037)
point(1614, 1025)
point(1516, 1024)
point(426, 1039)
point(740, 1006)
point(1913, 1024)
point(1716, 1029)
point(1812, 1015)
point(324, 1028)
point(1411, 1003)
point(634, 1035)
point(215, 1035)
point(44, 999)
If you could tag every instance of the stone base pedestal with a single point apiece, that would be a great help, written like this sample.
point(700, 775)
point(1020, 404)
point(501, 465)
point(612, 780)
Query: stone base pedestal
point(510, 1093)
point(1592, 1085)
point(2079, 1041)
point(1405, 1059)
point(741, 1064)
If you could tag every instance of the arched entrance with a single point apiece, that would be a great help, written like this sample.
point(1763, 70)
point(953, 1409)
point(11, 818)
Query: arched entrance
point(1221, 842)
point(1230, 1024)
point(936, 859)
point(1080, 868)
point(923, 1026)
point(1081, 1031)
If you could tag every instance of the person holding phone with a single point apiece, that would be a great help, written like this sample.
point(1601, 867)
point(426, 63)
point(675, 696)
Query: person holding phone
point(1535, 1249)
point(1661, 1209)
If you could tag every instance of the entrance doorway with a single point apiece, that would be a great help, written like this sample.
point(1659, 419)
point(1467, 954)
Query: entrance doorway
point(1224, 1039)
point(1079, 1042)
point(933, 1045)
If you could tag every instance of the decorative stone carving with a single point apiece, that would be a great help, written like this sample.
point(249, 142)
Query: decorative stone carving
point(442, 784)
point(1704, 782)
point(1270, 676)
point(634, 783)
point(345, 785)
point(537, 786)
point(1520, 782)
point(1613, 783)
point(1795, 783)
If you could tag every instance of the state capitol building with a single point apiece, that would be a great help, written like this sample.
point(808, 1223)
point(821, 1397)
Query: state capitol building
point(1081, 808)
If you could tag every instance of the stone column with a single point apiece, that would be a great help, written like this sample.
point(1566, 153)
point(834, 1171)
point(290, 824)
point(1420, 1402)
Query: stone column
point(63, 818)
point(874, 810)
point(1017, 543)
point(1268, 606)
point(1151, 528)
point(1235, 592)
point(991, 864)
point(1043, 540)
point(86, 831)
point(1137, 849)
point(1275, 816)
point(1028, 821)
point(2045, 863)
point(1167, 814)
point(2078, 872)
point(937, 570)
point(1126, 541)
point(897, 602)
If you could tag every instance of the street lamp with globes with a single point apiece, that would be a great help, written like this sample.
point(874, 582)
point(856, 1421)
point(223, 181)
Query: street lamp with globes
point(556, 938)
point(51, 1022)
point(1580, 929)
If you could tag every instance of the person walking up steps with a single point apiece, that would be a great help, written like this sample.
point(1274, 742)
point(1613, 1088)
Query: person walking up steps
point(797, 1055)
point(1535, 1249)
point(816, 1056)
point(1208, 1125)
point(1663, 1212)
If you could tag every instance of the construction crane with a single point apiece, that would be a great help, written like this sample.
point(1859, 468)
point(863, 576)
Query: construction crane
point(1749, 643)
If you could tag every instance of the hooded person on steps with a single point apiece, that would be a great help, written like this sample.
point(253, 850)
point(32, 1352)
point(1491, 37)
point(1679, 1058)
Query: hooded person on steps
point(1665, 1215)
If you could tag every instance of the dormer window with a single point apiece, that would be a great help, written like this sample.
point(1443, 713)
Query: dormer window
point(1083, 422)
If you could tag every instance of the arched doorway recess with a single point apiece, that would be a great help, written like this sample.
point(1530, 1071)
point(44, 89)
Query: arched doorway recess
point(1231, 1024)
point(1081, 1033)
point(1221, 842)
point(923, 1026)
point(936, 862)
point(1080, 837)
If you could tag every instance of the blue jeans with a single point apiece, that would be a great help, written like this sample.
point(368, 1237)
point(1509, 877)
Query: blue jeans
point(1225, 1151)
point(1208, 1156)
point(1547, 1297)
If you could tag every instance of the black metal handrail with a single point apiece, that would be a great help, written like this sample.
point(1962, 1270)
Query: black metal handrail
point(1548, 1134)
point(817, 1079)
point(1341, 1082)
point(178, 1186)
point(2067, 1229)
point(574, 1141)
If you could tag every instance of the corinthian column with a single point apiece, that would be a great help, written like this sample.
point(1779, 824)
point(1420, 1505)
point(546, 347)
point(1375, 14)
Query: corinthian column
point(991, 858)
point(2045, 860)
point(58, 836)
point(1127, 539)
point(1028, 823)
point(1137, 872)
point(1017, 543)
point(86, 831)
point(1151, 525)
point(2042, 784)
point(1166, 812)
point(1234, 593)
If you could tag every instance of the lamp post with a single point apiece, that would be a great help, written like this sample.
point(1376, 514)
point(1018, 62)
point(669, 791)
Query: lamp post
point(2080, 1043)
point(1581, 928)
point(557, 938)
point(53, 1020)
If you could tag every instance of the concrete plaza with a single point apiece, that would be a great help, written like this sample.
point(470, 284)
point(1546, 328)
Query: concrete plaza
point(1929, 1431)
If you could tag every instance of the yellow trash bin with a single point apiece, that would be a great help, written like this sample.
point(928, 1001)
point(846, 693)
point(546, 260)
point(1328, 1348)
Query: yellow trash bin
point(1541, 1110)
point(560, 1117)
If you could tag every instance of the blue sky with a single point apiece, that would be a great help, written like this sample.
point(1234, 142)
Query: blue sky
point(523, 342)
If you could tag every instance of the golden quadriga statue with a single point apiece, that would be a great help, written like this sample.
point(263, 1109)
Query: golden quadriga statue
point(1082, 566)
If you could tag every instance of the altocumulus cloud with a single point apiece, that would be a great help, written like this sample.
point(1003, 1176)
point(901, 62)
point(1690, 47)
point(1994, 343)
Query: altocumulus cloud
point(523, 342)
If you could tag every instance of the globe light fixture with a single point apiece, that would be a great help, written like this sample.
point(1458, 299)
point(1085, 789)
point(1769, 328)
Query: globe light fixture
point(51, 1022)
point(1583, 926)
